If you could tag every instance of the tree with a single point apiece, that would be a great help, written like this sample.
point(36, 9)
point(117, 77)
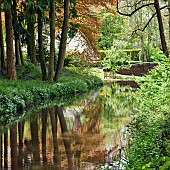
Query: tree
point(31, 20)
point(9, 43)
point(16, 34)
point(2, 52)
point(63, 41)
point(40, 42)
point(138, 6)
point(52, 40)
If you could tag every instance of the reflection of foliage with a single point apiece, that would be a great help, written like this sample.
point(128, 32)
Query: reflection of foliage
point(92, 116)
point(117, 105)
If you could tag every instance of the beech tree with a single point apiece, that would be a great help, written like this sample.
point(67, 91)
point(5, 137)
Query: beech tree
point(139, 5)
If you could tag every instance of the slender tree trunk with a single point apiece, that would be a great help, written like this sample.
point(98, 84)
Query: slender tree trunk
point(2, 53)
point(63, 42)
point(9, 43)
point(40, 44)
point(52, 40)
point(17, 54)
point(31, 42)
point(20, 51)
point(161, 28)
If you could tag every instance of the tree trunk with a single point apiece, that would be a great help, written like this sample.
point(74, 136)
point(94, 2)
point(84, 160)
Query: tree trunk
point(52, 40)
point(9, 43)
point(40, 44)
point(17, 54)
point(2, 53)
point(161, 28)
point(31, 42)
point(63, 41)
point(20, 51)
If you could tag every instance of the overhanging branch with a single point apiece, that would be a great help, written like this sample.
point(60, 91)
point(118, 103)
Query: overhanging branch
point(137, 9)
point(152, 18)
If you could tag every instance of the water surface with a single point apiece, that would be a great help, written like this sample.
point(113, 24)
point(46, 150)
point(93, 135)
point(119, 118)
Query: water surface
point(76, 137)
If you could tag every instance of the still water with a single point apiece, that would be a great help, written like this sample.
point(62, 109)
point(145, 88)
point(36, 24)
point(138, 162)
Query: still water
point(80, 136)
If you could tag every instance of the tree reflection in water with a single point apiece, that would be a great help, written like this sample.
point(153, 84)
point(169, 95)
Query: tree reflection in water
point(74, 137)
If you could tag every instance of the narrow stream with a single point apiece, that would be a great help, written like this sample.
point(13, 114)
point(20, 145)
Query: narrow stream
point(87, 135)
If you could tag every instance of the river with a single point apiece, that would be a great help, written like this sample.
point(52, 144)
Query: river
point(88, 134)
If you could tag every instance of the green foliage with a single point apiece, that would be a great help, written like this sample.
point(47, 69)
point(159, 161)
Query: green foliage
point(16, 96)
point(115, 58)
point(150, 127)
point(28, 71)
point(111, 27)
point(79, 59)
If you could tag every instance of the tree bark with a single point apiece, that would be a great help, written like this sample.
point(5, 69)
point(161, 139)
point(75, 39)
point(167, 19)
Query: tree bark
point(40, 44)
point(161, 28)
point(20, 51)
point(63, 42)
point(9, 43)
point(3, 65)
point(16, 34)
point(52, 40)
point(31, 42)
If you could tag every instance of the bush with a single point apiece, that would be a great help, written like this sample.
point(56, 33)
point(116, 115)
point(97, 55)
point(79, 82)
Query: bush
point(20, 95)
point(28, 71)
point(150, 127)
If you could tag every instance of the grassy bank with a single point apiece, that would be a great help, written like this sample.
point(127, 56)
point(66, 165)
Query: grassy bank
point(149, 146)
point(16, 96)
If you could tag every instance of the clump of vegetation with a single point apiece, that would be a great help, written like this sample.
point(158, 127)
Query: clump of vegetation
point(16, 96)
point(150, 128)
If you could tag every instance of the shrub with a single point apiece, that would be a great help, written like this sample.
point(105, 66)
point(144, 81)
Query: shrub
point(150, 127)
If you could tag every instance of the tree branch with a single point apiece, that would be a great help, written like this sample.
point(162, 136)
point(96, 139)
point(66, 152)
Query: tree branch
point(137, 9)
point(130, 6)
point(152, 18)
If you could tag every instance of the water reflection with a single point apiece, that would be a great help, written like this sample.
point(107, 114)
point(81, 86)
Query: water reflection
point(76, 137)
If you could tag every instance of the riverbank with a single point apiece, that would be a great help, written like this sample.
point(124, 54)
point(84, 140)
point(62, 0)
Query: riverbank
point(16, 96)
point(149, 142)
